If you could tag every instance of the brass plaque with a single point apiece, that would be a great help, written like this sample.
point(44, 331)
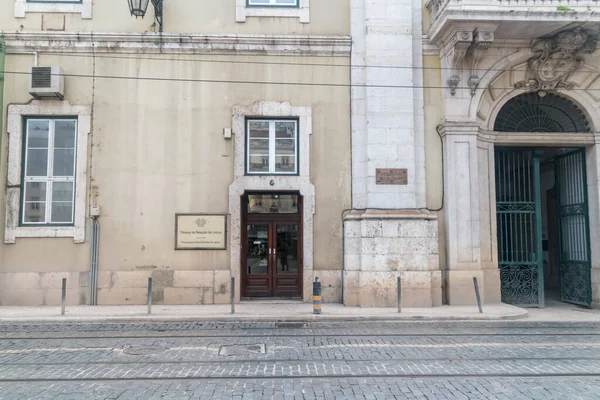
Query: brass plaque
point(200, 232)
point(391, 176)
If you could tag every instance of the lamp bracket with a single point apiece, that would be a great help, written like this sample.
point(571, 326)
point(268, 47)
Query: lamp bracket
point(158, 13)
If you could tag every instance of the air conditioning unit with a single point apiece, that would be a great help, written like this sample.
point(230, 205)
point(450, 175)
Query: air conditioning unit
point(47, 82)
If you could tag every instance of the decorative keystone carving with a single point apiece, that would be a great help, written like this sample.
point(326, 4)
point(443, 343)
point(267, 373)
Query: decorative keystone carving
point(556, 58)
point(481, 43)
point(459, 46)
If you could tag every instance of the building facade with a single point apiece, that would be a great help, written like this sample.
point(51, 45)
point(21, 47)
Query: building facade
point(279, 141)
point(236, 114)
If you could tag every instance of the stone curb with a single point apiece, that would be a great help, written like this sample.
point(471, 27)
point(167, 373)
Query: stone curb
point(305, 318)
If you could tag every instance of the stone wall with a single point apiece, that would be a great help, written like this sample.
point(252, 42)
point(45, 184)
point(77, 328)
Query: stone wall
point(43, 288)
point(382, 245)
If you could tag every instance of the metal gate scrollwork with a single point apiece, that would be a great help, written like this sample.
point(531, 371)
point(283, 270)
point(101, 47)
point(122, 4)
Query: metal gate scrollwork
point(518, 210)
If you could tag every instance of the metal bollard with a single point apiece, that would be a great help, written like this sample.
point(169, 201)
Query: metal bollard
point(477, 294)
point(149, 295)
point(399, 294)
point(317, 296)
point(64, 296)
point(232, 295)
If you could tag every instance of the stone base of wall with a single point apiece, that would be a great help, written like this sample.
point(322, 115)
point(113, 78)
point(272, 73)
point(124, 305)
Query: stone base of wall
point(168, 287)
point(331, 288)
point(43, 288)
point(382, 245)
point(595, 276)
point(461, 290)
point(116, 288)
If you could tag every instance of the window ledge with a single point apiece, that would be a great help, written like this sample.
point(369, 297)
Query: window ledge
point(84, 8)
point(12, 233)
point(242, 11)
point(14, 121)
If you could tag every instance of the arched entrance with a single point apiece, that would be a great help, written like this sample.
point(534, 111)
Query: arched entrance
point(541, 205)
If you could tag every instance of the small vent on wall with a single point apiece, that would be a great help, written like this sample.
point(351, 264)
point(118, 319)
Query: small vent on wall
point(41, 77)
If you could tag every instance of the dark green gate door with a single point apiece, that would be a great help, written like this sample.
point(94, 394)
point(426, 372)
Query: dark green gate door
point(518, 207)
point(573, 228)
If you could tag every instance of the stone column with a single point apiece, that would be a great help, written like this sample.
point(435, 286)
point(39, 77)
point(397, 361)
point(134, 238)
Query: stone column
point(593, 178)
point(468, 190)
point(386, 236)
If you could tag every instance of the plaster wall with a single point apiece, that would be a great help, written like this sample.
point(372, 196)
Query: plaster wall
point(157, 149)
point(331, 17)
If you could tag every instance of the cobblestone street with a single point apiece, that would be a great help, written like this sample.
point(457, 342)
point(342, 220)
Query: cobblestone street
point(317, 360)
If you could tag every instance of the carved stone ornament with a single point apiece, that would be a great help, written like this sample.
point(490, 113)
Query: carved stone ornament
point(556, 58)
point(481, 43)
point(466, 49)
point(460, 43)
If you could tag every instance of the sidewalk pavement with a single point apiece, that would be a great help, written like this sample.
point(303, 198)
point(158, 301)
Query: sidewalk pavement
point(292, 311)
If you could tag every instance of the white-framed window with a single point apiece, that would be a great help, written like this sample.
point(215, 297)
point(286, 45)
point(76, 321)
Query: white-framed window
point(49, 171)
point(83, 7)
point(46, 181)
point(273, 3)
point(273, 8)
point(272, 146)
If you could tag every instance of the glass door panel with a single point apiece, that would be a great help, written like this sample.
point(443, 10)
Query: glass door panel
point(287, 249)
point(287, 277)
point(257, 261)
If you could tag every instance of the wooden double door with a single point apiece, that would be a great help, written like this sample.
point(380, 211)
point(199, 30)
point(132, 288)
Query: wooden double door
point(272, 256)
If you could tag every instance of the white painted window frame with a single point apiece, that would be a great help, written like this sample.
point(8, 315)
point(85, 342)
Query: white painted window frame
point(272, 144)
point(50, 178)
point(22, 7)
point(243, 11)
point(15, 128)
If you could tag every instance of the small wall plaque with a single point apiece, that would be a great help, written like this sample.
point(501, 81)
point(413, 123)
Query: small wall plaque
point(200, 232)
point(391, 176)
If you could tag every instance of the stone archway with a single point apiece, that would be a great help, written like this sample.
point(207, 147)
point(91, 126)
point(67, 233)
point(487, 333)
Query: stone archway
point(530, 112)
point(469, 141)
point(542, 203)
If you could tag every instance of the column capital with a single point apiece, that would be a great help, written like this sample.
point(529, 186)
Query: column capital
point(459, 128)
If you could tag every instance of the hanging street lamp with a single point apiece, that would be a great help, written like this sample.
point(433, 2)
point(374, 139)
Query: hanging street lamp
point(138, 9)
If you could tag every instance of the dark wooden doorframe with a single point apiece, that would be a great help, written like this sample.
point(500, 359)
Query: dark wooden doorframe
point(271, 221)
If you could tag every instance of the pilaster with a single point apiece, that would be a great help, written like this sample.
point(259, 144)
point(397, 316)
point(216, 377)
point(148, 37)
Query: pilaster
point(593, 178)
point(465, 187)
point(386, 109)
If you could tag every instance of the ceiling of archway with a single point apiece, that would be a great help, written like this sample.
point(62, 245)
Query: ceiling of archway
point(531, 113)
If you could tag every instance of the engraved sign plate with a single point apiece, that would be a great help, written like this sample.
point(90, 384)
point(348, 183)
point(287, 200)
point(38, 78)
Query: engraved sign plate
point(200, 232)
point(391, 176)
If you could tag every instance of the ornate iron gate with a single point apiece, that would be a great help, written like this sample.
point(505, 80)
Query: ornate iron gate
point(573, 228)
point(518, 207)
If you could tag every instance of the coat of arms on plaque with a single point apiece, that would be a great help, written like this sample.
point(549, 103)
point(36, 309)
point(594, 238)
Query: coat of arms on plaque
point(201, 222)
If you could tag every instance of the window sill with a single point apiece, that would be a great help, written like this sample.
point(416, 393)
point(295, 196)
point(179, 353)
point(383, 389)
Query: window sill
point(22, 7)
point(12, 233)
point(302, 12)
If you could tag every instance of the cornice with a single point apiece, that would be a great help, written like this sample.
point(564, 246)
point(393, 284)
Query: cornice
point(458, 15)
point(169, 43)
point(542, 138)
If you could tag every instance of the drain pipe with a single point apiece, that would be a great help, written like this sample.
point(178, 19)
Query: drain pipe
point(343, 257)
point(94, 262)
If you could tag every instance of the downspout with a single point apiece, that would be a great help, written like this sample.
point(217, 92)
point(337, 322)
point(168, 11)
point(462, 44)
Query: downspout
point(94, 248)
point(94, 262)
